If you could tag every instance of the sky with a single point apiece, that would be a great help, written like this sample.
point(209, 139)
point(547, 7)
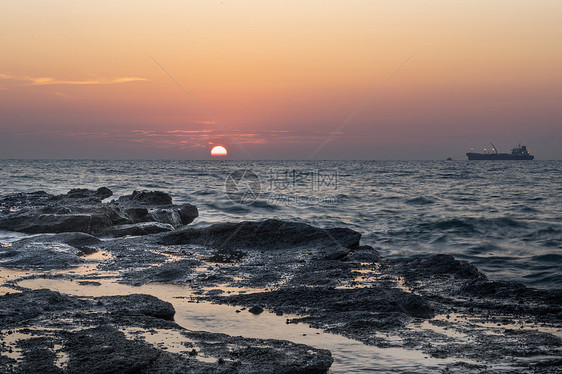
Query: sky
point(276, 79)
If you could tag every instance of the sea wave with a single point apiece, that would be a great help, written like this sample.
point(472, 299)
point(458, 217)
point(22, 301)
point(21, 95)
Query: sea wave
point(404, 208)
point(421, 200)
point(471, 224)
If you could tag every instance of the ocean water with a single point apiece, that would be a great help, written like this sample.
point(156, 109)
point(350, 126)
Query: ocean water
point(503, 217)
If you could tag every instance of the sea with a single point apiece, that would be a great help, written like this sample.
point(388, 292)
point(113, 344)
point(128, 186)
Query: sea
point(503, 217)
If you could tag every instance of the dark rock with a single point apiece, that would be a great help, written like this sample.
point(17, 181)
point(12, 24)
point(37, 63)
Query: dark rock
point(337, 253)
point(188, 213)
point(57, 251)
point(170, 272)
point(147, 305)
point(28, 305)
point(147, 198)
point(248, 356)
point(169, 216)
point(436, 266)
point(82, 210)
point(501, 289)
point(17, 308)
point(105, 349)
point(97, 339)
point(352, 310)
point(28, 253)
point(89, 283)
point(77, 240)
point(38, 358)
point(80, 193)
point(104, 192)
point(17, 201)
point(364, 254)
point(256, 309)
point(226, 256)
point(349, 290)
point(35, 223)
point(137, 229)
point(268, 235)
point(136, 214)
point(511, 291)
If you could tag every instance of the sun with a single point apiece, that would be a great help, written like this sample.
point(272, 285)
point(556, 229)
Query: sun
point(219, 150)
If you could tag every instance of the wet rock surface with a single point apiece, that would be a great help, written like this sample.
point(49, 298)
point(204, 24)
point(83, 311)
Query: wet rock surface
point(138, 229)
point(442, 306)
point(54, 333)
point(57, 251)
point(272, 234)
point(82, 210)
point(437, 304)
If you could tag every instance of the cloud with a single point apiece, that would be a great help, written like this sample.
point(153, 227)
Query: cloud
point(179, 139)
point(188, 131)
point(43, 81)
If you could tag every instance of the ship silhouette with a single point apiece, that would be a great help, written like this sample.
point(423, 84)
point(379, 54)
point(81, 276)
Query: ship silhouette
point(518, 153)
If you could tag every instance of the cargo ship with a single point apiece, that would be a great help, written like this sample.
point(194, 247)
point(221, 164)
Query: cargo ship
point(518, 153)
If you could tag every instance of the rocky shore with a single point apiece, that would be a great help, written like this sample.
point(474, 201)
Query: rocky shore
point(82, 210)
point(437, 305)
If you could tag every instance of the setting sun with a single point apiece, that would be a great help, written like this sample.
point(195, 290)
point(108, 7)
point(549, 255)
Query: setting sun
point(219, 150)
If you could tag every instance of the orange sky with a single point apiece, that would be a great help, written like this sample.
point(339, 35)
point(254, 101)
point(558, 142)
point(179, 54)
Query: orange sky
point(77, 79)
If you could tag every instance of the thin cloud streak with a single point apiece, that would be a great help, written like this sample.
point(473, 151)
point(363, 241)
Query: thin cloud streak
point(179, 138)
point(188, 131)
point(44, 81)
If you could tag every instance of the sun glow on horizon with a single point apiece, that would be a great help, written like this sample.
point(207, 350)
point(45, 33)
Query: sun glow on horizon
point(219, 150)
point(280, 76)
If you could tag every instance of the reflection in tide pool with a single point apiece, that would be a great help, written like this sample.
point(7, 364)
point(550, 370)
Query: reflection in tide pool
point(350, 356)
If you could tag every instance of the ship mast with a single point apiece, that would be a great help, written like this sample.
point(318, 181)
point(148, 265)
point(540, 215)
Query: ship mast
point(494, 148)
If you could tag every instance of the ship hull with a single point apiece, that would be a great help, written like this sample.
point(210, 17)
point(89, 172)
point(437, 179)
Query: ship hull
point(498, 156)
